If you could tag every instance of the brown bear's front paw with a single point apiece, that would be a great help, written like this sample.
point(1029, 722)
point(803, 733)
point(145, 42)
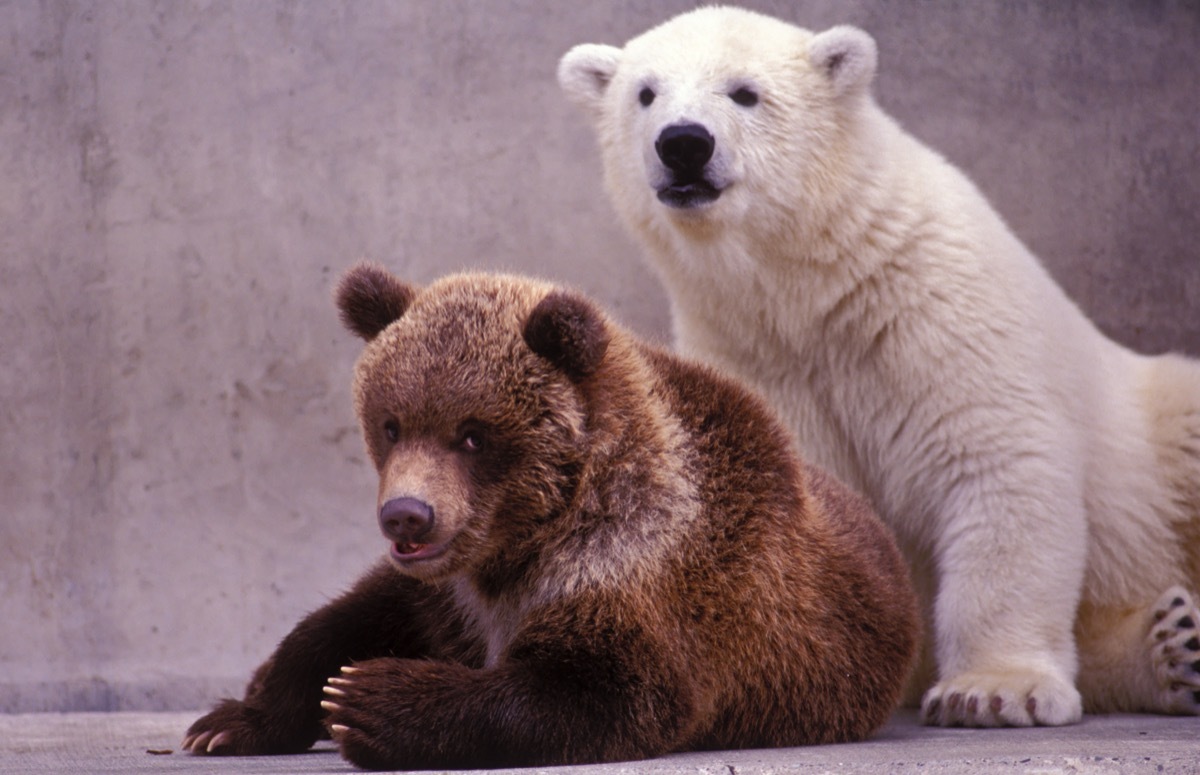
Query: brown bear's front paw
point(384, 714)
point(357, 706)
point(230, 729)
point(234, 729)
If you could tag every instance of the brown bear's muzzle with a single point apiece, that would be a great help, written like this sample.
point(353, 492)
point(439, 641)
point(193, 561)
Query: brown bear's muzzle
point(406, 522)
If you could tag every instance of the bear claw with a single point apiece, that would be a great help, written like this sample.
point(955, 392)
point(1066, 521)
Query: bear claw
point(1174, 638)
point(989, 700)
point(206, 742)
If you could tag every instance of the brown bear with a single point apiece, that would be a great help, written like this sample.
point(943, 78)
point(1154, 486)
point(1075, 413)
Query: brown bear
point(599, 552)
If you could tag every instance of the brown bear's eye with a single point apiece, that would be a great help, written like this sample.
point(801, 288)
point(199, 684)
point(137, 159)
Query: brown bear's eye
point(745, 97)
point(646, 96)
point(391, 429)
point(471, 438)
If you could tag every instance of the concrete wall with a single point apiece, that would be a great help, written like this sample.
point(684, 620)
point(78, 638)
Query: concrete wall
point(181, 476)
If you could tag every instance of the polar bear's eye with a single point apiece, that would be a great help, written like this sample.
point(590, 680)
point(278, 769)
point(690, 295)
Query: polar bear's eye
point(646, 96)
point(391, 429)
point(745, 97)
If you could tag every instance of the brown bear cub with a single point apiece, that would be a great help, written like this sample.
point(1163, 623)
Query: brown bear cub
point(599, 552)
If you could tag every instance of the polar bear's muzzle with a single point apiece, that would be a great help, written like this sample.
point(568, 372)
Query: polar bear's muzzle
point(685, 150)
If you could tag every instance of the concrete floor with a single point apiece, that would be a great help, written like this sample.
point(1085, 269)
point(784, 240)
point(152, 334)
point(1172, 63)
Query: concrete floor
point(148, 742)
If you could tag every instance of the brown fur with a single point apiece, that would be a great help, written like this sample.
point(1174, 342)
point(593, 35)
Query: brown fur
point(634, 562)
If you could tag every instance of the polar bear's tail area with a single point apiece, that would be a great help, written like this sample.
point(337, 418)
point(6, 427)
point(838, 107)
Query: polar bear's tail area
point(1172, 395)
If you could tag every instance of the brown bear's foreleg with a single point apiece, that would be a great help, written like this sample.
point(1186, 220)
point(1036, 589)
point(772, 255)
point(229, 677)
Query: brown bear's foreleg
point(566, 698)
point(281, 711)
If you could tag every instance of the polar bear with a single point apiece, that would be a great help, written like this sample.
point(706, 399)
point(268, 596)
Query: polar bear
point(1043, 481)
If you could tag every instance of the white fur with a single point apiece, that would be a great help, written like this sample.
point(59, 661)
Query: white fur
point(1043, 480)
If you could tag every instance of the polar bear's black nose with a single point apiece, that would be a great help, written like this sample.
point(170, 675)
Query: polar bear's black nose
point(685, 148)
point(405, 520)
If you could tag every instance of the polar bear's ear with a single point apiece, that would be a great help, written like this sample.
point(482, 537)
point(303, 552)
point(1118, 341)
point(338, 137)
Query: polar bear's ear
point(567, 330)
point(584, 73)
point(371, 298)
point(846, 56)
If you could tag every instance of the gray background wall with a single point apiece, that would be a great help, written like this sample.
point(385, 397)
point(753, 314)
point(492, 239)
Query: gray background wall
point(181, 476)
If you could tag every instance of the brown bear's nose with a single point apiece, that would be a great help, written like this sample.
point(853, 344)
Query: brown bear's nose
point(405, 520)
point(685, 148)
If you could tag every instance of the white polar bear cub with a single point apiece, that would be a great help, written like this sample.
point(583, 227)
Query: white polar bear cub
point(1043, 480)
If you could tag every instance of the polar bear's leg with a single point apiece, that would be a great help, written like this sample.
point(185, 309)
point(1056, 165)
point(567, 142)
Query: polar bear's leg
point(1141, 659)
point(1035, 692)
point(1010, 579)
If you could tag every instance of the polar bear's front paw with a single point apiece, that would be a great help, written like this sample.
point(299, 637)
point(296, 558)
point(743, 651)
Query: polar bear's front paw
point(1175, 651)
point(1001, 700)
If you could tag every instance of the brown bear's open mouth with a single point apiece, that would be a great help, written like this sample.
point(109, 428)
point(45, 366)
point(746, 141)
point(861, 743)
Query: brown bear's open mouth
point(405, 552)
point(684, 194)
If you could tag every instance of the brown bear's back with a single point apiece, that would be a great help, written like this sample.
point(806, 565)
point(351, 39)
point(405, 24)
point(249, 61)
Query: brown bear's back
point(793, 582)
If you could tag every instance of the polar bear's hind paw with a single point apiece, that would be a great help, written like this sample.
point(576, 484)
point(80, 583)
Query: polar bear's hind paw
point(1175, 651)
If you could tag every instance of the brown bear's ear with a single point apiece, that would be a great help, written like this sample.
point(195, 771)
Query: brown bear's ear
point(567, 330)
point(371, 298)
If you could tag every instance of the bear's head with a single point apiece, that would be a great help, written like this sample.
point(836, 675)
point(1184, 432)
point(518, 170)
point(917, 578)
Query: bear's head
point(472, 400)
point(719, 110)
